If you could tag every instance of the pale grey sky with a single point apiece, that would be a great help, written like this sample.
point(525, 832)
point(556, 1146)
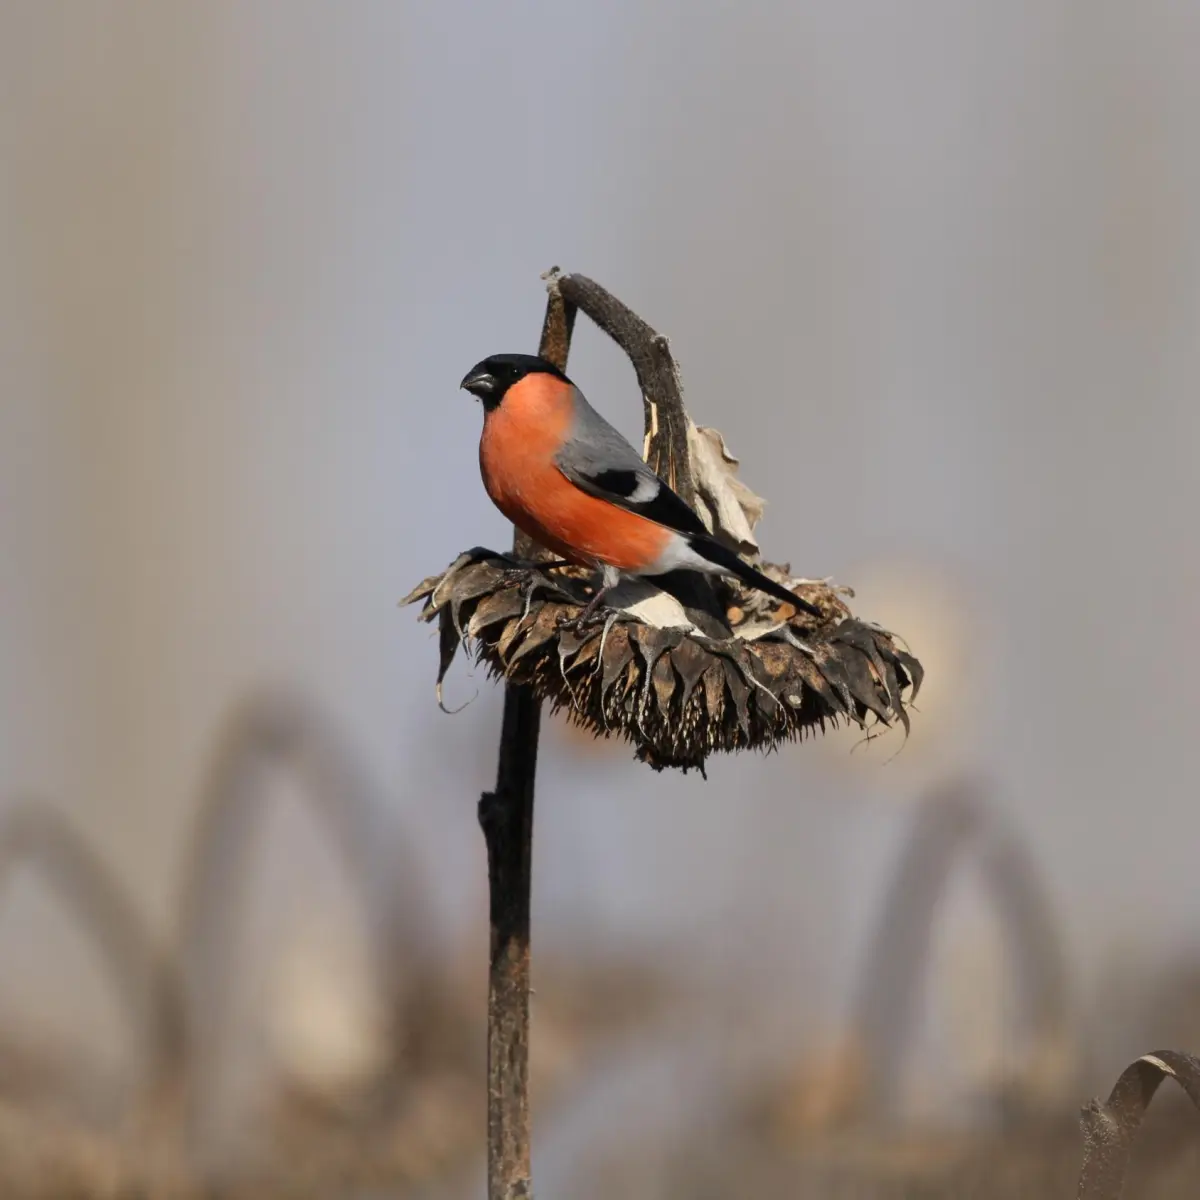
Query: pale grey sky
point(934, 269)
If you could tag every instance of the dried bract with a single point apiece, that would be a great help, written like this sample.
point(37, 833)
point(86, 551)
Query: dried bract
point(649, 673)
point(729, 508)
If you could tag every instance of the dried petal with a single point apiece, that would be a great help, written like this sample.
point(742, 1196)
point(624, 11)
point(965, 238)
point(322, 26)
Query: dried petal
point(755, 671)
point(807, 670)
point(676, 693)
point(544, 626)
point(500, 606)
point(448, 643)
point(444, 587)
point(733, 509)
point(864, 686)
point(513, 632)
point(663, 676)
point(423, 589)
point(691, 662)
point(474, 579)
point(914, 670)
point(714, 691)
point(616, 656)
point(739, 691)
point(587, 654)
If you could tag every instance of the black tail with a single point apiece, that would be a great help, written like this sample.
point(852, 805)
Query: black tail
point(723, 557)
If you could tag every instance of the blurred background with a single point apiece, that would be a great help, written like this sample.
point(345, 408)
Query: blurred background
point(934, 271)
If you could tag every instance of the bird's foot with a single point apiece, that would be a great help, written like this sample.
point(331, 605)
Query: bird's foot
point(579, 625)
point(528, 583)
point(583, 622)
point(517, 565)
point(591, 615)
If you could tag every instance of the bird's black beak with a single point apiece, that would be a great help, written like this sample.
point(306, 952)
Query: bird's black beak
point(479, 383)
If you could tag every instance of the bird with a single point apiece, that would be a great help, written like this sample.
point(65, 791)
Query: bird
point(563, 475)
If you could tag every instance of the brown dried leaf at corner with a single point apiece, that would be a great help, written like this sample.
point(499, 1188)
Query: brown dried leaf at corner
point(1109, 1127)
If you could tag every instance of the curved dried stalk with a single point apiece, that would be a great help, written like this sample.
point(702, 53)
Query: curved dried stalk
point(657, 374)
point(34, 835)
point(277, 731)
point(948, 825)
point(1109, 1127)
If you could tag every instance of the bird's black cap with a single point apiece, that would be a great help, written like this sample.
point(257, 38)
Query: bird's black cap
point(491, 377)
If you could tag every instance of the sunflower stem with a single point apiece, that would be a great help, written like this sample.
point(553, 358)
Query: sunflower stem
point(506, 817)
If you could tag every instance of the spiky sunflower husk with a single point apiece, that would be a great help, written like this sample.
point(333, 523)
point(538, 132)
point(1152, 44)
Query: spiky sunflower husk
point(676, 694)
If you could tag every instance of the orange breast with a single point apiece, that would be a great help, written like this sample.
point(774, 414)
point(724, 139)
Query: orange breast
point(516, 458)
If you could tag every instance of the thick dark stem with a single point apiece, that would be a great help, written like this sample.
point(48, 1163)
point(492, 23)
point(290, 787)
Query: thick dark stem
point(506, 817)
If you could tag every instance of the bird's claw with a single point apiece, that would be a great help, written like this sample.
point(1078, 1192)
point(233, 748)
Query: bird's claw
point(527, 584)
point(582, 622)
point(518, 577)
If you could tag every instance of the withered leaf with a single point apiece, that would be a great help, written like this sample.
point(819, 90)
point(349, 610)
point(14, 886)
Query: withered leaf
point(916, 672)
point(617, 655)
point(675, 692)
point(739, 691)
point(754, 669)
point(714, 691)
point(733, 509)
point(862, 637)
point(512, 633)
point(423, 589)
point(866, 641)
point(500, 606)
point(587, 653)
point(570, 642)
point(651, 645)
point(448, 643)
point(774, 661)
point(569, 645)
point(809, 669)
point(895, 700)
point(647, 642)
point(544, 626)
point(691, 662)
point(855, 675)
point(444, 587)
point(664, 685)
point(475, 579)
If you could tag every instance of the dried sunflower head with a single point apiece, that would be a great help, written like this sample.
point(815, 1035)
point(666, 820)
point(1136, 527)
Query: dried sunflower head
point(678, 684)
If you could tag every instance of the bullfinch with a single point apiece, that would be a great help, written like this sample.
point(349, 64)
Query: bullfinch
point(563, 475)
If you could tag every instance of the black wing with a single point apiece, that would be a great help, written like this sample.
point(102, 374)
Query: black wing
point(599, 460)
point(638, 491)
